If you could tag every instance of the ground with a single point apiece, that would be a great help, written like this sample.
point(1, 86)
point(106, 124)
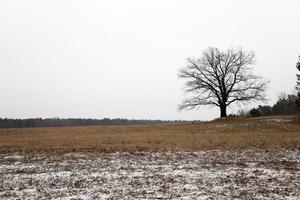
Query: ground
point(224, 159)
point(246, 174)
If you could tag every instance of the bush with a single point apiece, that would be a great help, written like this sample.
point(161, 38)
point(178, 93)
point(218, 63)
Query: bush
point(254, 112)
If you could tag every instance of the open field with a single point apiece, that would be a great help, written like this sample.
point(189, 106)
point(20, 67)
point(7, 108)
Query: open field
point(283, 132)
point(224, 159)
point(229, 174)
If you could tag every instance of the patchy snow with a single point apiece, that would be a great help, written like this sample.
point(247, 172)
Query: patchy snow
point(259, 174)
point(13, 157)
point(279, 120)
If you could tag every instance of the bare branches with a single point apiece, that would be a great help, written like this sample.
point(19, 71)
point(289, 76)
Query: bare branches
point(221, 78)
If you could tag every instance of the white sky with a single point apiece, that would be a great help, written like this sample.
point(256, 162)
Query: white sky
point(71, 58)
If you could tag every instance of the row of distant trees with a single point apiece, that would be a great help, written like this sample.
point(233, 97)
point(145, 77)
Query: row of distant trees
point(285, 105)
point(58, 122)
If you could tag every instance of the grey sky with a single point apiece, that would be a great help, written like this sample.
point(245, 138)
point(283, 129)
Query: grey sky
point(71, 58)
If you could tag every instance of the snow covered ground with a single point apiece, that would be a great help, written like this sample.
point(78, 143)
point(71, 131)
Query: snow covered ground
point(235, 174)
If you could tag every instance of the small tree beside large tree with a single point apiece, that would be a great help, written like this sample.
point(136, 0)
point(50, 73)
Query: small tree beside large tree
point(221, 78)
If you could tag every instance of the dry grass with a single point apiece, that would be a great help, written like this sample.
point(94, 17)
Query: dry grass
point(267, 132)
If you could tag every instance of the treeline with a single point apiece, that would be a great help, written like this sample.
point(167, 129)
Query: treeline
point(58, 122)
point(286, 105)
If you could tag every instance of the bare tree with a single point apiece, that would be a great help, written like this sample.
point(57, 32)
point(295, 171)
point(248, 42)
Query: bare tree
point(221, 78)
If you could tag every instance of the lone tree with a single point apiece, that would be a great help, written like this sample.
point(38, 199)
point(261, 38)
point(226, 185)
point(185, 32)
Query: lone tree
point(220, 78)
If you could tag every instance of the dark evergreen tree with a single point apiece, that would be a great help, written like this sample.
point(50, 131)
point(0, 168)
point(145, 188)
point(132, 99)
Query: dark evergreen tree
point(297, 87)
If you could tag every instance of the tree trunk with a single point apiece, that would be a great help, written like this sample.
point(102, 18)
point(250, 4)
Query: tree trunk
point(223, 109)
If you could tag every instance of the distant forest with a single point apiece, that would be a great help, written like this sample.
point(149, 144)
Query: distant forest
point(58, 122)
point(285, 105)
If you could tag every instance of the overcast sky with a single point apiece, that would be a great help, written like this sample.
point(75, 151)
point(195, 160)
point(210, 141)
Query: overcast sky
point(71, 58)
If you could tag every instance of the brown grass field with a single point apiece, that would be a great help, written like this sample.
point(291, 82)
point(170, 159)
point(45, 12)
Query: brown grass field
point(234, 133)
point(233, 158)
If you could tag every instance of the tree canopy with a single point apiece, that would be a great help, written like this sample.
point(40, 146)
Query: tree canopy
point(220, 78)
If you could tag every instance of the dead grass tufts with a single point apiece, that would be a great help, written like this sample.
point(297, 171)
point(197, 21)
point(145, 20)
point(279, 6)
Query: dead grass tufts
point(232, 133)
